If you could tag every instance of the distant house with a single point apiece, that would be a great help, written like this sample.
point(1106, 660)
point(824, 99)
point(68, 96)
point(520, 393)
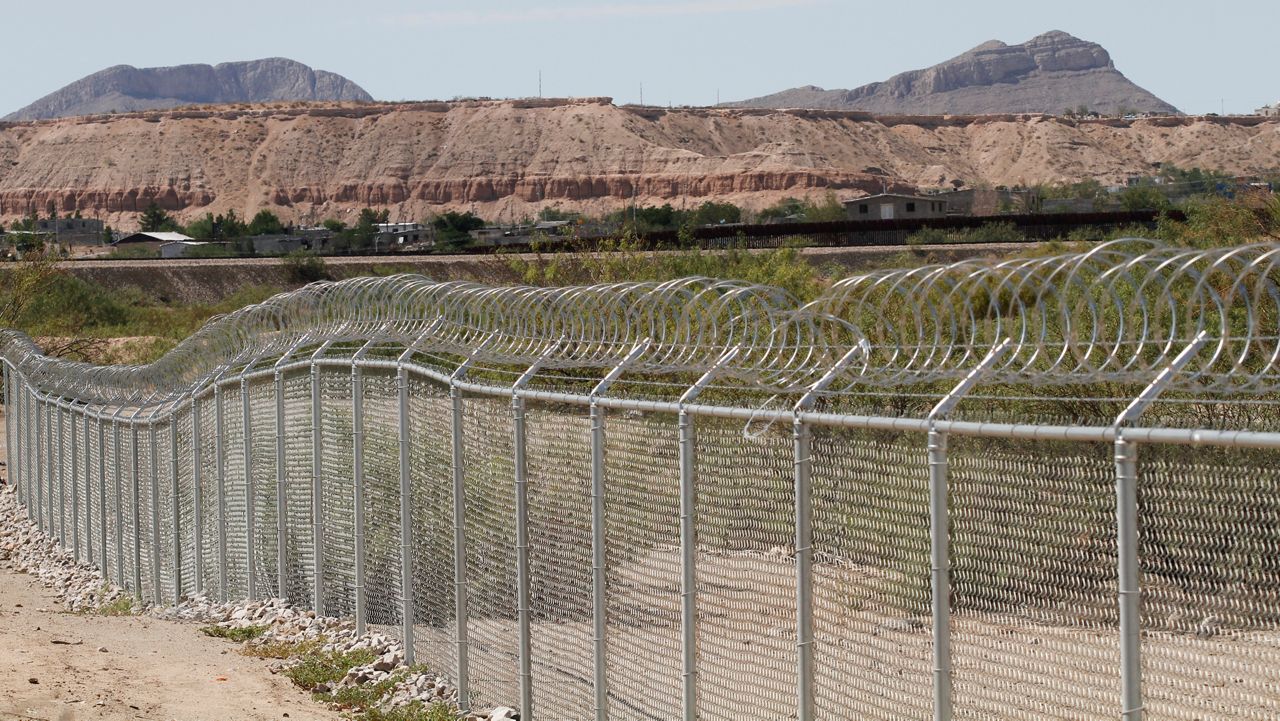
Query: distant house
point(72, 231)
point(891, 206)
point(1269, 111)
point(185, 248)
point(488, 236)
point(391, 235)
point(277, 244)
point(151, 241)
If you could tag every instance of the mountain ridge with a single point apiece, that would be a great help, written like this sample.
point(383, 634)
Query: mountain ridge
point(1050, 73)
point(125, 88)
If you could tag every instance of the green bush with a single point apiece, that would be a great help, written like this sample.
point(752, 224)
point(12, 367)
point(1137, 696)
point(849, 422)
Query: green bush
point(303, 267)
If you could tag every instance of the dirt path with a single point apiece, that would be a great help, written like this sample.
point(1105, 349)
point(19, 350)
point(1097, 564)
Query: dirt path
point(151, 669)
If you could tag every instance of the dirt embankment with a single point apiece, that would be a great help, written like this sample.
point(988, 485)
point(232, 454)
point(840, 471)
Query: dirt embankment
point(211, 280)
point(506, 160)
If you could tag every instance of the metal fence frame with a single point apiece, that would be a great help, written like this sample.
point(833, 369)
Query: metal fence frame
point(37, 444)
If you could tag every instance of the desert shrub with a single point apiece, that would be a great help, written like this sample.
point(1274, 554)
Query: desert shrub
point(303, 267)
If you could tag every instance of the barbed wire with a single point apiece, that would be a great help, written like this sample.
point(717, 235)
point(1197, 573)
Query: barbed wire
point(1118, 312)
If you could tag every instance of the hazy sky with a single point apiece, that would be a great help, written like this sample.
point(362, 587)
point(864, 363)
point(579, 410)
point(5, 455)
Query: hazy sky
point(1196, 55)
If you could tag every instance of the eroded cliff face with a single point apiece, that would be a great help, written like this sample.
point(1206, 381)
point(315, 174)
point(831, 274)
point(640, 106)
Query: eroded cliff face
point(509, 159)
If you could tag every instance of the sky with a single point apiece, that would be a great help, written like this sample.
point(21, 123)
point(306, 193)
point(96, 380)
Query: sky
point(1202, 57)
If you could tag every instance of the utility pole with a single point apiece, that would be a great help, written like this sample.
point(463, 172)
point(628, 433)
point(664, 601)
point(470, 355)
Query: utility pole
point(641, 94)
point(539, 82)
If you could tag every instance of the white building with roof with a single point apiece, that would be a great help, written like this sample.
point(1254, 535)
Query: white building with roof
point(1269, 111)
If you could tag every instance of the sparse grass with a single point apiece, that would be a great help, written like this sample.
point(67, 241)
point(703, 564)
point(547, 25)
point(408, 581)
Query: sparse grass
point(361, 702)
point(363, 697)
point(416, 711)
point(234, 634)
point(281, 649)
point(317, 668)
point(122, 606)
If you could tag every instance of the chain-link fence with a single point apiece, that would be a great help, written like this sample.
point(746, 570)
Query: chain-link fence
point(740, 529)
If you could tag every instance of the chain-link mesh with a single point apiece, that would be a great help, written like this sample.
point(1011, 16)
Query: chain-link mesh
point(558, 461)
point(871, 575)
point(491, 540)
point(430, 458)
point(382, 500)
point(1034, 579)
point(210, 523)
point(233, 493)
point(338, 510)
point(642, 563)
point(163, 497)
point(186, 543)
point(746, 572)
point(1209, 528)
point(262, 410)
point(298, 479)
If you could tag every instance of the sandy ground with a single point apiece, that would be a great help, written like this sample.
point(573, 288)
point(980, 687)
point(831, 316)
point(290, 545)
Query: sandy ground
point(51, 667)
point(151, 669)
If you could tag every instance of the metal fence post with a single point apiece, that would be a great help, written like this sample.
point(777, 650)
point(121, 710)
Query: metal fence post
point(102, 495)
point(282, 498)
point(88, 488)
point(220, 482)
point(802, 439)
point(406, 497)
point(38, 474)
point(56, 449)
point(1129, 583)
point(153, 442)
point(75, 485)
point(11, 422)
point(523, 597)
point(317, 485)
point(197, 499)
point(940, 529)
point(177, 506)
point(457, 448)
point(117, 471)
point(52, 529)
point(137, 513)
point(357, 472)
point(802, 443)
point(251, 575)
point(406, 514)
point(689, 541)
point(1128, 566)
point(460, 546)
point(599, 558)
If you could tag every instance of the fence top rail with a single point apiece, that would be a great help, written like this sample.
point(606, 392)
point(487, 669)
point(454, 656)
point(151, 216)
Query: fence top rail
point(1119, 312)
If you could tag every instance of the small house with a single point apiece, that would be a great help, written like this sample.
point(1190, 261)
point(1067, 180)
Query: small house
point(891, 206)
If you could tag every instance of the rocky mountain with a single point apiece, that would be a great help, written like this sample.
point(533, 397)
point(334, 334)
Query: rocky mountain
point(507, 160)
point(124, 88)
point(1047, 74)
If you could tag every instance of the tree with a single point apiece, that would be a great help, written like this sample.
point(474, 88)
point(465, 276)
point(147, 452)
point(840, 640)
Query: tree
point(334, 225)
point(108, 235)
point(265, 223)
point(230, 226)
point(710, 213)
point(154, 219)
point(202, 228)
point(784, 208)
point(452, 229)
point(829, 210)
point(1143, 197)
